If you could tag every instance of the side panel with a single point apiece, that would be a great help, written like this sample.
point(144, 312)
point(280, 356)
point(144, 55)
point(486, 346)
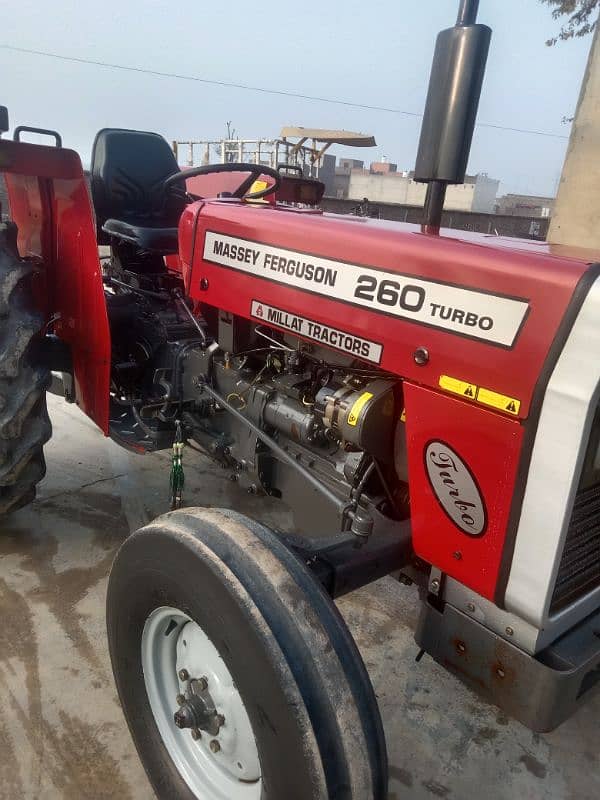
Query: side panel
point(453, 435)
point(50, 204)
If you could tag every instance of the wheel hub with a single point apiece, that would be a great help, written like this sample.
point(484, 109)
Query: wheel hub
point(208, 736)
point(197, 709)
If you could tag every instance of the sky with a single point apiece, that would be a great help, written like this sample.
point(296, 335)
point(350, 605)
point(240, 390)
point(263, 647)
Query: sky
point(376, 53)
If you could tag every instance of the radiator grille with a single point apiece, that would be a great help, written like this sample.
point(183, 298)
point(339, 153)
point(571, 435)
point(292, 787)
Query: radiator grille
point(579, 570)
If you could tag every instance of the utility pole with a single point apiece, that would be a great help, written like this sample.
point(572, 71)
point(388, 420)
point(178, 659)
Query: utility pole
point(576, 218)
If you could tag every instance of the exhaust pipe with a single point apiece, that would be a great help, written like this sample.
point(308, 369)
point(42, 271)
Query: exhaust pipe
point(451, 108)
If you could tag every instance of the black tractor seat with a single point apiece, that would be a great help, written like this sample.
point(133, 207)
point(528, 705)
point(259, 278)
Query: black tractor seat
point(157, 240)
point(128, 171)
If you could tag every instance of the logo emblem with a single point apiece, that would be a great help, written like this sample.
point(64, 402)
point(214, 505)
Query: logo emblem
point(455, 488)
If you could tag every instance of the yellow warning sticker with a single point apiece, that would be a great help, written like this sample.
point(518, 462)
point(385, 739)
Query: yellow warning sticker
point(463, 388)
point(485, 396)
point(358, 407)
point(509, 404)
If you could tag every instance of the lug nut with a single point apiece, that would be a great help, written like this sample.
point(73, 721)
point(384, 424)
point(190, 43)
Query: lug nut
point(214, 746)
point(183, 718)
point(180, 699)
point(196, 735)
point(184, 675)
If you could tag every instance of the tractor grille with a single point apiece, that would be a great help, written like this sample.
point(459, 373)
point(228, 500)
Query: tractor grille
point(579, 570)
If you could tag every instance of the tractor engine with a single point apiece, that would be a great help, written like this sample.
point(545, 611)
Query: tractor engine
point(333, 415)
point(336, 421)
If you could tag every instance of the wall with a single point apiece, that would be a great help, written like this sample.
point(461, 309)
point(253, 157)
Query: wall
point(520, 227)
point(524, 205)
point(477, 194)
point(577, 210)
point(484, 197)
point(327, 173)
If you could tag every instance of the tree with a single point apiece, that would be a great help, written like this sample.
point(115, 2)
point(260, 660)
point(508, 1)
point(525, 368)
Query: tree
point(579, 13)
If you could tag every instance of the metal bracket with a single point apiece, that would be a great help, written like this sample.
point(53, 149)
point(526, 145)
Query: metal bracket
point(341, 564)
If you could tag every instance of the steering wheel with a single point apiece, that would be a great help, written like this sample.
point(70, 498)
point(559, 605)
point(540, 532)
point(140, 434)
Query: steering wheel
point(255, 170)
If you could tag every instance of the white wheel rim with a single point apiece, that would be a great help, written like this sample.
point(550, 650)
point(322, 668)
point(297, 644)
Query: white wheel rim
point(171, 641)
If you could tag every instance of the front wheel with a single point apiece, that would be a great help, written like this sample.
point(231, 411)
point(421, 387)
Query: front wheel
point(237, 675)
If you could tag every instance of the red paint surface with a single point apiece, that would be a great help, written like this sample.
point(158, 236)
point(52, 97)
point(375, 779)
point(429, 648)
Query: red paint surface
point(534, 273)
point(50, 204)
point(490, 445)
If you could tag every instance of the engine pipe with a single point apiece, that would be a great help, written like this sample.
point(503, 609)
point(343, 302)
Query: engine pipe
point(467, 12)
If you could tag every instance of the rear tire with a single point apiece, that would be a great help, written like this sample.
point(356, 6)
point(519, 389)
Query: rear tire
point(24, 422)
point(313, 717)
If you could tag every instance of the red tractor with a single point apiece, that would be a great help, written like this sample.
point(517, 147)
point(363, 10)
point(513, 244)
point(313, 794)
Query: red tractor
point(426, 402)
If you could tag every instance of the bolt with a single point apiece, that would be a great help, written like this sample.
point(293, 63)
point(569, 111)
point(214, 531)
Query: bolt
point(434, 585)
point(203, 683)
point(500, 672)
point(214, 746)
point(183, 718)
point(184, 675)
point(180, 699)
point(471, 607)
point(461, 647)
point(204, 284)
point(421, 356)
point(509, 631)
point(196, 734)
point(457, 555)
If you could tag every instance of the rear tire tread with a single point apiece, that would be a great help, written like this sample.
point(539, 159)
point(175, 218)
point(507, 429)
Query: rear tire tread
point(24, 423)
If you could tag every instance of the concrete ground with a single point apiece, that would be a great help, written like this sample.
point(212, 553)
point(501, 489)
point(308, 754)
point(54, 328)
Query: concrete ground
point(62, 734)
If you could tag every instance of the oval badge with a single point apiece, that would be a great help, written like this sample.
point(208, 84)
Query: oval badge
point(455, 488)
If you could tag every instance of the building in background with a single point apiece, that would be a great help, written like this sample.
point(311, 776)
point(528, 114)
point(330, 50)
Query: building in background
point(523, 205)
point(383, 183)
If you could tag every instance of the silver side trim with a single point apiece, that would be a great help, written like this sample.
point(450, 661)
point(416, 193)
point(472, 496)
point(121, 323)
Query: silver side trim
point(509, 626)
point(557, 458)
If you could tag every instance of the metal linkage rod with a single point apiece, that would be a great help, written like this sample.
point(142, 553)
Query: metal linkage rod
point(342, 506)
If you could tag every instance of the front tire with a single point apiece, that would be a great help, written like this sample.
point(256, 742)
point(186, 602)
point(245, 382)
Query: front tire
point(24, 422)
point(297, 696)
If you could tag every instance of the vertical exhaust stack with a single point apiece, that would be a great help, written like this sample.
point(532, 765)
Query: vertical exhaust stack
point(451, 108)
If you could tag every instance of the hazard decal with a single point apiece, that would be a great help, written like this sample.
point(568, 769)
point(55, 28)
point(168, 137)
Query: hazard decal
point(511, 405)
point(323, 334)
point(482, 315)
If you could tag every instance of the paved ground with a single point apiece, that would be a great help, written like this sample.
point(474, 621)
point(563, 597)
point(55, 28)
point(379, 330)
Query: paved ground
point(61, 730)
